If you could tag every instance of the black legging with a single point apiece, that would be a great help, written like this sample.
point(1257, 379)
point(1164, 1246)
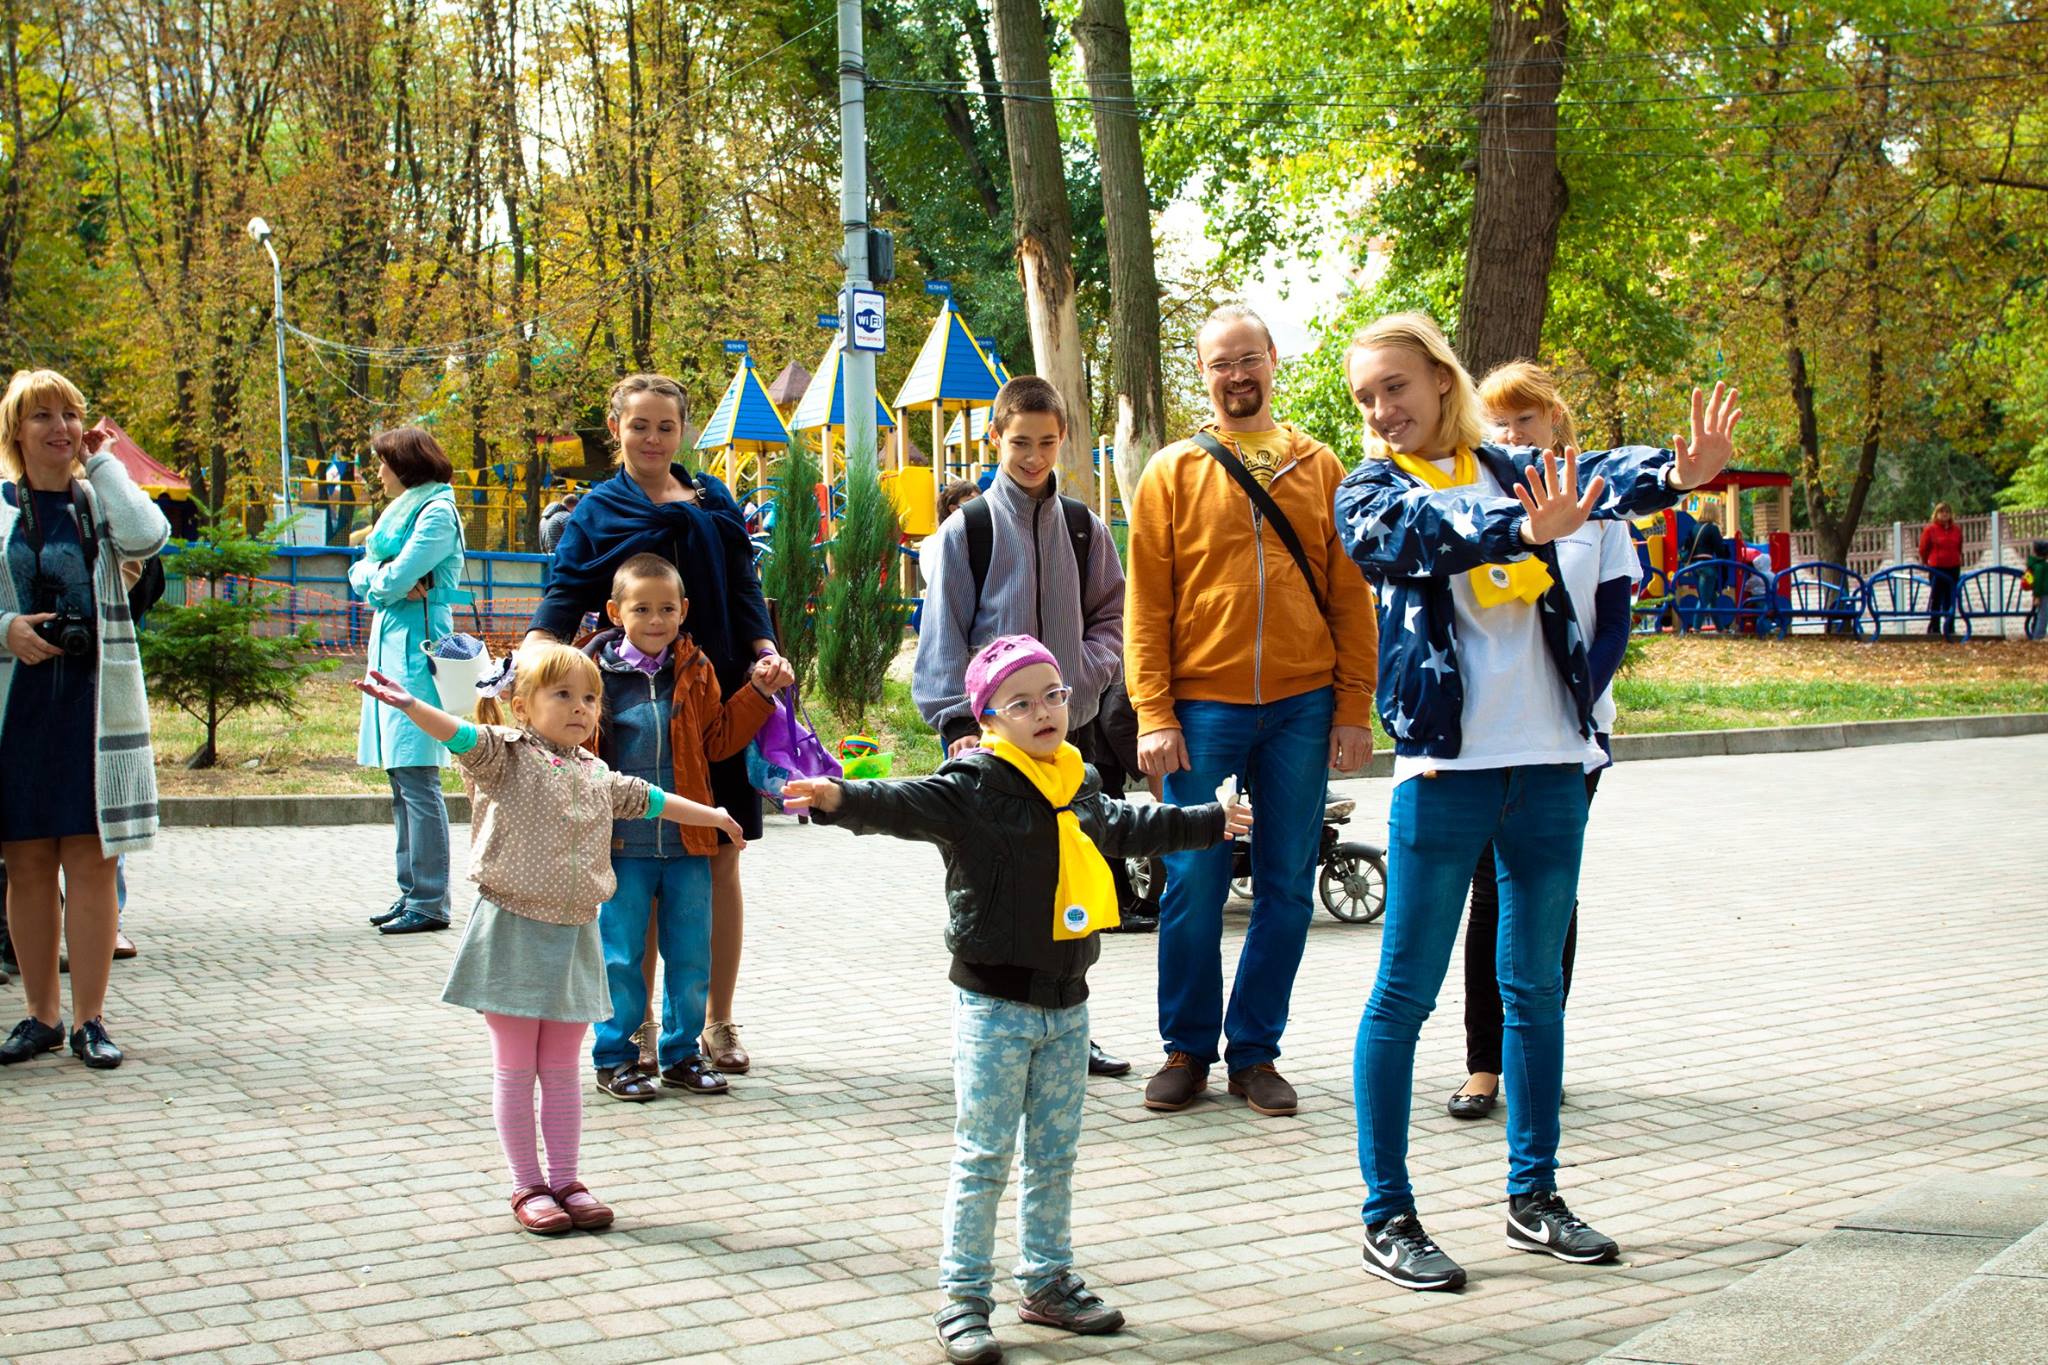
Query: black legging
point(1483, 1018)
point(1941, 601)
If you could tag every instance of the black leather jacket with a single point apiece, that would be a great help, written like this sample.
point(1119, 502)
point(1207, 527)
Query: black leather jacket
point(999, 839)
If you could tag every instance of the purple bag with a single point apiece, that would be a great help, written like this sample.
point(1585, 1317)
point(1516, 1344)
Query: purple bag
point(787, 747)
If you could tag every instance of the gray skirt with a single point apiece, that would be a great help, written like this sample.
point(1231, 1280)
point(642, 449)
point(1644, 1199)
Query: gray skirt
point(509, 964)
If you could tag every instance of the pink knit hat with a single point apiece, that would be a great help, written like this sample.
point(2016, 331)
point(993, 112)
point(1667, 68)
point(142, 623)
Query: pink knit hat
point(998, 659)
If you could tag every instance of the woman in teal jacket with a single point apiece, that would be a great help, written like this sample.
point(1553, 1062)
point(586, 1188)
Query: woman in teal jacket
point(411, 572)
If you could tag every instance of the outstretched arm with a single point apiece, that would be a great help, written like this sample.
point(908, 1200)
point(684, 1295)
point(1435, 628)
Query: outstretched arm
point(932, 810)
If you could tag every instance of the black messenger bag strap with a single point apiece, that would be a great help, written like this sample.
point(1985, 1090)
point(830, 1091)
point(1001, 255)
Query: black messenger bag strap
point(1268, 509)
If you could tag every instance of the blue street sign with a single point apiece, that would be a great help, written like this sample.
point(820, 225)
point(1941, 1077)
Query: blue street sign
point(829, 321)
point(938, 289)
point(735, 348)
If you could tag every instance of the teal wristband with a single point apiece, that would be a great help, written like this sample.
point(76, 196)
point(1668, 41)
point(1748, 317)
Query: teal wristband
point(657, 801)
point(463, 740)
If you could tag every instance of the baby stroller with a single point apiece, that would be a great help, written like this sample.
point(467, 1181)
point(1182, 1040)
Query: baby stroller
point(1351, 878)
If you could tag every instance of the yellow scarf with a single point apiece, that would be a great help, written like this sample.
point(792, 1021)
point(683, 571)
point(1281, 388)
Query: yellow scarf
point(1492, 584)
point(1085, 899)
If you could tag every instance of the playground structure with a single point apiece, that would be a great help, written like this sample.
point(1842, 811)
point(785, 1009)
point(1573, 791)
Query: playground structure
point(746, 430)
point(952, 374)
point(821, 413)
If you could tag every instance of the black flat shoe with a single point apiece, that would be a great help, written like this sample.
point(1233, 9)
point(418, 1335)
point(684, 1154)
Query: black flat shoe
point(397, 909)
point(1100, 1063)
point(91, 1045)
point(31, 1038)
point(413, 922)
point(1464, 1106)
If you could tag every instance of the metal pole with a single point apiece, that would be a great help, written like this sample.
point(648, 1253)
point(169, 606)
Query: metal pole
point(853, 214)
point(260, 231)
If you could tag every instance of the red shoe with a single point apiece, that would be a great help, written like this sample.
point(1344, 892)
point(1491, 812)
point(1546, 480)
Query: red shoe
point(535, 1208)
point(587, 1214)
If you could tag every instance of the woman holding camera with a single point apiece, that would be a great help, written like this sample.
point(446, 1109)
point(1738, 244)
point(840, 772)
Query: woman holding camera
point(77, 778)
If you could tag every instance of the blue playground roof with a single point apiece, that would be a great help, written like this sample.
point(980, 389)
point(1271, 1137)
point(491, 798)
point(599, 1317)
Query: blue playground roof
point(744, 413)
point(951, 369)
point(824, 402)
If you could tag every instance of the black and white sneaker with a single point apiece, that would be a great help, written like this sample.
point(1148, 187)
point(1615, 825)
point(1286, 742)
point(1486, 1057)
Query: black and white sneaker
point(1398, 1250)
point(1540, 1222)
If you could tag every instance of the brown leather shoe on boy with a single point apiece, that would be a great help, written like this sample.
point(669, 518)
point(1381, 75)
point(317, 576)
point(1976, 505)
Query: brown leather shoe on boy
point(1174, 1086)
point(1265, 1090)
point(696, 1076)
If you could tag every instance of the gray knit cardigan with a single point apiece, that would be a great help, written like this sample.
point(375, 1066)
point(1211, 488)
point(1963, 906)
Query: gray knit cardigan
point(124, 772)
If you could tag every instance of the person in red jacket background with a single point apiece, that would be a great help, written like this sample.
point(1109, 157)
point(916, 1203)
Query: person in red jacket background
point(1941, 550)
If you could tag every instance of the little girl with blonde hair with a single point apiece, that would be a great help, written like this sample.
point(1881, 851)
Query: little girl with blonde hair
point(530, 960)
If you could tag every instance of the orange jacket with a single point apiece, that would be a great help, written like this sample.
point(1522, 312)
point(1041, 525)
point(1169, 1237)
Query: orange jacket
point(703, 727)
point(1216, 612)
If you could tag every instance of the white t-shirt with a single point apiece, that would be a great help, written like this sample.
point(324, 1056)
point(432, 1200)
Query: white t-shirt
point(1518, 711)
point(1596, 553)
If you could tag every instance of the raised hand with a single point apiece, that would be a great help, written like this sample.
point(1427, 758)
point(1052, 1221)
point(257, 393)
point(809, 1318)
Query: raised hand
point(386, 691)
point(1237, 817)
point(1713, 438)
point(1552, 500)
point(810, 793)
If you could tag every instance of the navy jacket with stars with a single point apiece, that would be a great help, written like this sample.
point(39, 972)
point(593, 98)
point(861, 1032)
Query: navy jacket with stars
point(1410, 539)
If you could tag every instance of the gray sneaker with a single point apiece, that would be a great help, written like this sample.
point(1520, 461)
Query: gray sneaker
point(1071, 1306)
point(963, 1330)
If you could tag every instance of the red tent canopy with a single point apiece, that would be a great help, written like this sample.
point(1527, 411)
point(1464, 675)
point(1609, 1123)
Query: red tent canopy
point(152, 478)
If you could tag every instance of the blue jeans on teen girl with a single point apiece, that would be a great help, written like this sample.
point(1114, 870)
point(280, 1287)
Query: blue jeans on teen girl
point(1281, 750)
point(1015, 1067)
point(677, 893)
point(421, 818)
point(1536, 818)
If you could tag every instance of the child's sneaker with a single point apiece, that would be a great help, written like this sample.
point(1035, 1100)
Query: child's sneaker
point(963, 1330)
point(1071, 1306)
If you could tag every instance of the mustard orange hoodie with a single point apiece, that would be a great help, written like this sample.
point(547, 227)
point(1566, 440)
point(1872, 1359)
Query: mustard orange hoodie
point(1216, 609)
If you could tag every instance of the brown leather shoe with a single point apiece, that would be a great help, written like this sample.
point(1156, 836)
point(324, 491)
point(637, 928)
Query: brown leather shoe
point(721, 1044)
point(696, 1076)
point(586, 1213)
point(1265, 1090)
point(627, 1083)
point(123, 948)
point(1174, 1086)
point(535, 1208)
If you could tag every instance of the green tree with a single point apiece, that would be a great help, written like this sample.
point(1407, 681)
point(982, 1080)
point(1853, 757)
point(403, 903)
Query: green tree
point(208, 659)
point(794, 571)
point(863, 625)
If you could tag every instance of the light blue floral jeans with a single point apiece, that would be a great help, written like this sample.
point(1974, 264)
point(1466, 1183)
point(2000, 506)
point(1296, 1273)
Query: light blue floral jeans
point(1014, 1066)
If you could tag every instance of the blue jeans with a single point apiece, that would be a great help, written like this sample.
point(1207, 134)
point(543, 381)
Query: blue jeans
point(1015, 1067)
point(1536, 818)
point(422, 820)
point(1282, 750)
point(677, 893)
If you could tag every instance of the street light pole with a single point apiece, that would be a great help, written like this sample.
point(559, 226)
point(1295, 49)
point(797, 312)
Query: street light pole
point(853, 215)
point(260, 231)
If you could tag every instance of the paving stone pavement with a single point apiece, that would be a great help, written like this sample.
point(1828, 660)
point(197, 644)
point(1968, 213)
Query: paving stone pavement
point(1803, 980)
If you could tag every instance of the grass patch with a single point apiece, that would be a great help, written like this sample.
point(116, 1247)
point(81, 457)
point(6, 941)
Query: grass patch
point(1675, 684)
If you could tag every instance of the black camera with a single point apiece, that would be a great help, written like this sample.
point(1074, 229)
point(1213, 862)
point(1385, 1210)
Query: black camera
point(70, 631)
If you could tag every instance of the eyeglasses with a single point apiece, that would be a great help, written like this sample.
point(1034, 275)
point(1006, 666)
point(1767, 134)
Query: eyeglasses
point(1055, 699)
point(1250, 364)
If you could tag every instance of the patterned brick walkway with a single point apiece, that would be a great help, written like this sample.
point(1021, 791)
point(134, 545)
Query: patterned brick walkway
point(1803, 980)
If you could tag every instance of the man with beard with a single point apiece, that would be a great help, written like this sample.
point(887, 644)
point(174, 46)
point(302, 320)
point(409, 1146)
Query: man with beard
point(1250, 655)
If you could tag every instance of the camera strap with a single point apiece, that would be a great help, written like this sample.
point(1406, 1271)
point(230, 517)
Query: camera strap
point(81, 512)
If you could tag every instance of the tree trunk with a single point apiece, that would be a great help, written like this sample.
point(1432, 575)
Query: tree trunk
point(1044, 230)
point(1519, 197)
point(1105, 37)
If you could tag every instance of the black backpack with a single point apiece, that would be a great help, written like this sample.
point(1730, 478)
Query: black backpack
point(148, 589)
point(981, 541)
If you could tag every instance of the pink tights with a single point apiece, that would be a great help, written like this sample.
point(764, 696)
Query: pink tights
point(551, 1051)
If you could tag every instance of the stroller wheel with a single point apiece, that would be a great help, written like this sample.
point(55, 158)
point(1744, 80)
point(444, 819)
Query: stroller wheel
point(1353, 883)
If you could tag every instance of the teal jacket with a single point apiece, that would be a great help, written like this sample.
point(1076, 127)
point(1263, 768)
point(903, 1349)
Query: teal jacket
point(433, 551)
